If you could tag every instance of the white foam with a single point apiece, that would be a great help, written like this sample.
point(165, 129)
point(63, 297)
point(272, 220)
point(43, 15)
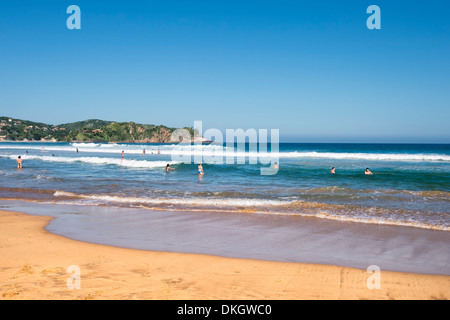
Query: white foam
point(247, 203)
point(213, 151)
point(97, 161)
point(370, 156)
point(178, 201)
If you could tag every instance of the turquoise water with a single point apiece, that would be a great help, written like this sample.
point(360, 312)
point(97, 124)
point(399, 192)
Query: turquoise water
point(410, 184)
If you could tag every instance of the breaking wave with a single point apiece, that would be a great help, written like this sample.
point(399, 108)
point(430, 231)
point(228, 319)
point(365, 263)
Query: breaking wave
point(215, 150)
point(98, 161)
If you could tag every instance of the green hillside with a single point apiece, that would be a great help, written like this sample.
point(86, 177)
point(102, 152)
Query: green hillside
point(92, 130)
point(86, 124)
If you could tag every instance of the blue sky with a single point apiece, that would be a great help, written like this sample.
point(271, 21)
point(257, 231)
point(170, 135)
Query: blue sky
point(311, 69)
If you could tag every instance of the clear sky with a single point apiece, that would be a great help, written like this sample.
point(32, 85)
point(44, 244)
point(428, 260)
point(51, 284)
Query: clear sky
point(311, 69)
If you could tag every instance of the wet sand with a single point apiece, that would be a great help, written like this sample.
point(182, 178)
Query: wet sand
point(34, 262)
point(250, 236)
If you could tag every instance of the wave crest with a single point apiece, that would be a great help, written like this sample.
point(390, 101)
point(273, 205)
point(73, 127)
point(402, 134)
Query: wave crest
point(98, 161)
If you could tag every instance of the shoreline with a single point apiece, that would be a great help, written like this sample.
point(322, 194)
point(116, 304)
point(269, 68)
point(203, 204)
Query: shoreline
point(110, 142)
point(34, 262)
point(209, 141)
point(249, 236)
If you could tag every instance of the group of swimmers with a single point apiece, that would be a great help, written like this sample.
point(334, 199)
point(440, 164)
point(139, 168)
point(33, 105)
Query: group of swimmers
point(168, 167)
point(199, 168)
point(333, 171)
point(143, 153)
point(275, 166)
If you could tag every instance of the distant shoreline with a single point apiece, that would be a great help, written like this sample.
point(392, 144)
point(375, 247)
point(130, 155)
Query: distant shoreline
point(208, 142)
point(103, 142)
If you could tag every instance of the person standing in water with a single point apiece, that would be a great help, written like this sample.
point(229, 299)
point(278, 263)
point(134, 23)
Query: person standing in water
point(168, 168)
point(200, 169)
point(332, 170)
point(19, 162)
point(143, 152)
point(123, 154)
point(367, 171)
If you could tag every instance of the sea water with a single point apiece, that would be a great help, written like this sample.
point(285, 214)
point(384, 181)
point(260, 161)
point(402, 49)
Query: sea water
point(410, 185)
point(397, 218)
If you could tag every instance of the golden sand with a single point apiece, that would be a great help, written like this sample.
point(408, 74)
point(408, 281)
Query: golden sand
point(34, 265)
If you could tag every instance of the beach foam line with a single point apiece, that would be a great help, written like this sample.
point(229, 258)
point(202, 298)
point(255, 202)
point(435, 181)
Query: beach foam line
point(342, 213)
point(96, 161)
point(176, 201)
point(255, 206)
point(378, 221)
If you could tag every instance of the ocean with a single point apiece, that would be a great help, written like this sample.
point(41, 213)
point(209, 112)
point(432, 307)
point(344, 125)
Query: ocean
point(397, 219)
point(410, 185)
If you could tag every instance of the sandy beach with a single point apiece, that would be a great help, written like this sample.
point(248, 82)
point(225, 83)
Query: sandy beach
point(34, 266)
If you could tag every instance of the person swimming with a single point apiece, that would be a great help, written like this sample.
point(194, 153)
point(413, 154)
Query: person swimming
point(333, 170)
point(275, 166)
point(168, 168)
point(200, 169)
point(19, 162)
point(367, 171)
